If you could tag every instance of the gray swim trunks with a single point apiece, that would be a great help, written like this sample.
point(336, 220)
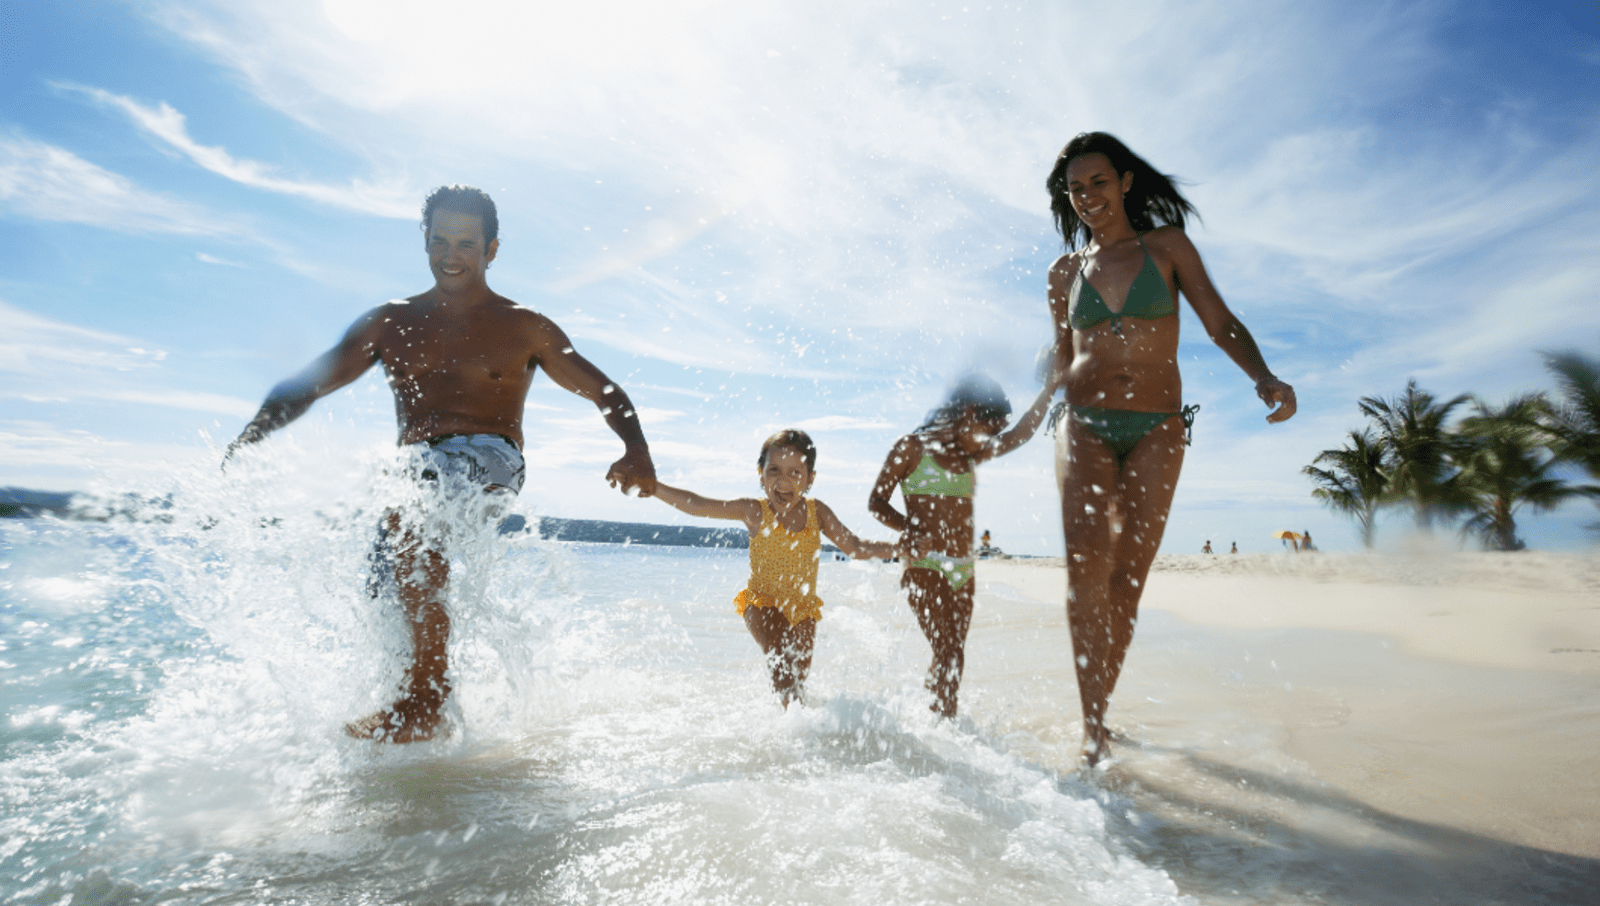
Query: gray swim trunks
point(462, 485)
point(489, 461)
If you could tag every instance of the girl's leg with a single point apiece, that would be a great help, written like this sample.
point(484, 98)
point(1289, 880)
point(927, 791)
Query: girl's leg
point(788, 649)
point(1113, 521)
point(945, 615)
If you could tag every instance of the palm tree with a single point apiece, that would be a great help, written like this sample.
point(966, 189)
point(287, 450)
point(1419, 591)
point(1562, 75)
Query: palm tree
point(1505, 465)
point(1576, 418)
point(1411, 428)
point(1356, 482)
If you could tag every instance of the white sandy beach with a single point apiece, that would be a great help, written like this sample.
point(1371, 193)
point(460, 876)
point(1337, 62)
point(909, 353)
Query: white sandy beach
point(1448, 701)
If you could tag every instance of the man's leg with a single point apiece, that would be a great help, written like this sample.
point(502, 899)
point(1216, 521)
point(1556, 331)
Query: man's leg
point(421, 575)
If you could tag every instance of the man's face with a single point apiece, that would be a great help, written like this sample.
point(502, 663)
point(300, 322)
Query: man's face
point(457, 254)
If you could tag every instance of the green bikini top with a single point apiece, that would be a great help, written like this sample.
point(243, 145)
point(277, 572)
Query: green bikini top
point(931, 478)
point(1148, 299)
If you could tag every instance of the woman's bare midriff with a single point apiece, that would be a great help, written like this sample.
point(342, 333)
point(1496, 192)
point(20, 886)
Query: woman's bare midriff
point(1137, 370)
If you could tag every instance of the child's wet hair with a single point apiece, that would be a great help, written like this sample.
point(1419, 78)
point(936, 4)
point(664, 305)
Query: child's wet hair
point(794, 439)
point(977, 391)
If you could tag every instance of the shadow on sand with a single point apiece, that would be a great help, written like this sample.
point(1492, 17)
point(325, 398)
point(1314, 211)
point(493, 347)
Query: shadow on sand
point(1232, 834)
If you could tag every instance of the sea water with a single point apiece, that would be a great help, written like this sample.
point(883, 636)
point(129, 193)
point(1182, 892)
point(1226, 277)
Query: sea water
point(176, 673)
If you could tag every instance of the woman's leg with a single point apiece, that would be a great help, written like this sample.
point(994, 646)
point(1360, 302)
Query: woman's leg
point(945, 616)
point(1113, 520)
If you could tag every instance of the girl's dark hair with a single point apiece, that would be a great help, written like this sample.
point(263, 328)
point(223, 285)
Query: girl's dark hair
point(1152, 200)
point(975, 390)
point(796, 440)
point(463, 200)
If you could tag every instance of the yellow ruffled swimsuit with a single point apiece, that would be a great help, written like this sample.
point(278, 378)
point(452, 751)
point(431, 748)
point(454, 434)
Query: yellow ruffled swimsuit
point(783, 567)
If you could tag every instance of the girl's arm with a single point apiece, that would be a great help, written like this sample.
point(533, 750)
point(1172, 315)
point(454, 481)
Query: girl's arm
point(1221, 325)
point(742, 510)
point(855, 547)
point(903, 457)
point(1024, 429)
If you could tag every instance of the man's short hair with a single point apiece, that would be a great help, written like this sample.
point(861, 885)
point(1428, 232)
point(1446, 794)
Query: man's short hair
point(463, 200)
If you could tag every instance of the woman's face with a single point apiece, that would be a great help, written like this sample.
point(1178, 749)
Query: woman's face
point(1096, 190)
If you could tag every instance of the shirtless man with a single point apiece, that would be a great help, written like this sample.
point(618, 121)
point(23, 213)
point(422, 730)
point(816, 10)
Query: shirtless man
point(459, 359)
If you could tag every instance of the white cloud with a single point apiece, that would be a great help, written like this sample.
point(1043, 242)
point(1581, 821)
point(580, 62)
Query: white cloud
point(390, 199)
point(45, 182)
point(48, 361)
point(851, 194)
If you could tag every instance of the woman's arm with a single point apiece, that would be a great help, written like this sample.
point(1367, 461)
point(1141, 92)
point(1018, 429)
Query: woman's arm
point(858, 548)
point(1058, 291)
point(903, 457)
point(1225, 330)
point(742, 510)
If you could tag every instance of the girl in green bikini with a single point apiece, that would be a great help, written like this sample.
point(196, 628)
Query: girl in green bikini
point(1113, 299)
point(935, 468)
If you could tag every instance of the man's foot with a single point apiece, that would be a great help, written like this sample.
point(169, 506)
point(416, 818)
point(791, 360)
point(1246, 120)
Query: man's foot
point(407, 721)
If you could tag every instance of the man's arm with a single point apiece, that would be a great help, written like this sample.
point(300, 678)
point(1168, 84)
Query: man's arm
point(576, 374)
point(333, 369)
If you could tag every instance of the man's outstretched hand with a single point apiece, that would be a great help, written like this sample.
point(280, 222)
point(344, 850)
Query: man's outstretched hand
point(634, 470)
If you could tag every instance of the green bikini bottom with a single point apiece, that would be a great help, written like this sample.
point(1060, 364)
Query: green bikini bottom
point(1121, 430)
point(956, 570)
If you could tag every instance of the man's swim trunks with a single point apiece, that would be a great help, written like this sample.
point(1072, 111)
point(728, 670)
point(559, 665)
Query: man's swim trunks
point(461, 484)
point(489, 461)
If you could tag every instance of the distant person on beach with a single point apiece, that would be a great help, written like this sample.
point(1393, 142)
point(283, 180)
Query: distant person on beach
point(1113, 300)
point(935, 468)
point(459, 359)
point(1234, 549)
point(780, 605)
point(1305, 541)
point(1207, 548)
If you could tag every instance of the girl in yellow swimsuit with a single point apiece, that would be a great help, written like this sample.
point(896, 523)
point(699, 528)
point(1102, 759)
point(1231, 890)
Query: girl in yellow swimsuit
point(934, 468)
point(1120, 448)
point(780, 606)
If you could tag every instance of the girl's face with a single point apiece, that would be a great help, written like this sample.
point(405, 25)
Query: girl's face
point(786, 478)
point(1096, 190)
point(976, 429)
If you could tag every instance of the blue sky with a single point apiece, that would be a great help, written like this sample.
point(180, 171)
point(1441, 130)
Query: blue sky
point(759, 215)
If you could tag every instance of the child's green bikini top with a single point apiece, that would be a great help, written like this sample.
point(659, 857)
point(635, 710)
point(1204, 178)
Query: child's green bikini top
point(1148, 299)
point(931, 478)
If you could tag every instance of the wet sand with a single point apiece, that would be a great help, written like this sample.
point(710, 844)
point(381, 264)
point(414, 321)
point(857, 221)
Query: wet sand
point(1432, 719)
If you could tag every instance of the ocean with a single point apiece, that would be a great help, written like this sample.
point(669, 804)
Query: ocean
point(176, 677)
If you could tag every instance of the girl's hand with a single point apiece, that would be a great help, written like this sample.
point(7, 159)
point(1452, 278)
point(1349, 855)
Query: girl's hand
point(909, 549)
point(1274, 392)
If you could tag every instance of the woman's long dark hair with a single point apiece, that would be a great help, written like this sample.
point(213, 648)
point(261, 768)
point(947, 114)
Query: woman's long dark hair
point(1152, 200)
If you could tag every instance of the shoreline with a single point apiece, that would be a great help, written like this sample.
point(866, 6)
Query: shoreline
point(1453, 699)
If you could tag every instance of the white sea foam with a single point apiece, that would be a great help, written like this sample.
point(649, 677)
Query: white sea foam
point(613, 737)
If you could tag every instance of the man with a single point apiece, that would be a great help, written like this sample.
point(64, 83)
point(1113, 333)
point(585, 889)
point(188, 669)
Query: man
point(459, 359)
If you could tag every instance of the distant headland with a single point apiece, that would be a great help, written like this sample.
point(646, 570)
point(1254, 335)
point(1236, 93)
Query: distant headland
point(23, 503)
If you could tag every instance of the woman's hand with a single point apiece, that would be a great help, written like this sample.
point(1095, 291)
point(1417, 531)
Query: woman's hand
point(1274, 392)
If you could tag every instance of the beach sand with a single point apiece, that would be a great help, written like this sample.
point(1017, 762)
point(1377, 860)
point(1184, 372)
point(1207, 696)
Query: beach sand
point(1431, 719)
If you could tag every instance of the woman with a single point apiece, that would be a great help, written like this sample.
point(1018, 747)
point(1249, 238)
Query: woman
point(935, 470)
point(1120, 447)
